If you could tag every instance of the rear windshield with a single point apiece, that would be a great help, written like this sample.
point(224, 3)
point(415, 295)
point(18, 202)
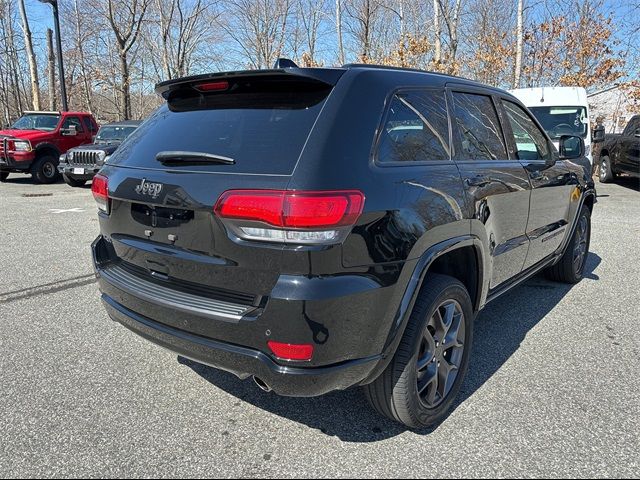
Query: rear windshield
point(262, 126)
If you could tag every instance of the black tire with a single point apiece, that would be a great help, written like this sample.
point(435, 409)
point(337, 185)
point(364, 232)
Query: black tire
point(73, 182)
point(4, 176)
point(570, 267)
point(45, 169)
point(395, 394)
point(606, 174)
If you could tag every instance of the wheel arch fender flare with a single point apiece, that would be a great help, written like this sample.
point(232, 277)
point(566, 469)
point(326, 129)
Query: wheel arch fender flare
point(46, 147)
point(589, 195)
point(415, 284)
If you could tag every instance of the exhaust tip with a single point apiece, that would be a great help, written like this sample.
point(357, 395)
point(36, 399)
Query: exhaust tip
point(261, 384)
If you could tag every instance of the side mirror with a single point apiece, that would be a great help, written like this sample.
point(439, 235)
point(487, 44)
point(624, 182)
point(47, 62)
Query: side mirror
point(571, 147)
point(637, 132)
point(70, 132)
point(598, 134)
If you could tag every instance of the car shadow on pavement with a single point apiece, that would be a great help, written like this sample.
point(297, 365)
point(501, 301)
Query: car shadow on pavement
point(28, 180)
point(348, 416)
point(628, 182)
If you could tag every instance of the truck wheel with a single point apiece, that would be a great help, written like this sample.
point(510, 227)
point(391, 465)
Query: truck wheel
point(570, 268)
point(45, 169)
point(4, 176)
point(424, 376)
point(606, 174)
point(72, 182)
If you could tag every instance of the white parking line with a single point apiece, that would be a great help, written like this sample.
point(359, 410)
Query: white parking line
point(68, 210)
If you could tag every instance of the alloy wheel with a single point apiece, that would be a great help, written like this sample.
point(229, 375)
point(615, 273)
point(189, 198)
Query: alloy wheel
point(441, 353)
point(580, 249)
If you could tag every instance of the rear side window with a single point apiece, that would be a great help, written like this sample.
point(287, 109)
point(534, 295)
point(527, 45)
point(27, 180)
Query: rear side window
point(531, 143)
point(478, 127)
point(416, 129)
point(90, 125)
point(263, 126)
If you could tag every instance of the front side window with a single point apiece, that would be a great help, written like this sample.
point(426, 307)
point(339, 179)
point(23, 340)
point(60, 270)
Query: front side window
point(479, 129)
point(416, 129)
point(73, 122)
point(531, 143)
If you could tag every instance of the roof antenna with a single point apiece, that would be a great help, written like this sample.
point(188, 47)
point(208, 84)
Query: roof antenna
point(542, 99)
point(284, 63)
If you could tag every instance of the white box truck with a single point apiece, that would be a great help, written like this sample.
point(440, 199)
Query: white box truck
point(561, 111)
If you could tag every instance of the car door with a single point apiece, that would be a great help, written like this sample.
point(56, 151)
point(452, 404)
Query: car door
point(497, 186)
point(69, 141)
point(630, 147)
point(550, 180)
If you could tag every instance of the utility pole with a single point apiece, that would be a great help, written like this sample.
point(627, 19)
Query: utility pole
point(56, 24)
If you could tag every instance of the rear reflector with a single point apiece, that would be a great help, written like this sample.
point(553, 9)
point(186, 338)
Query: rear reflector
point(100, 190)
point(288, 351)
point(291, 209)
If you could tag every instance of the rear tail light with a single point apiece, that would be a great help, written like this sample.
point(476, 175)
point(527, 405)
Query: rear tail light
point(288, 351)
point(290, 216)
point(100, 190)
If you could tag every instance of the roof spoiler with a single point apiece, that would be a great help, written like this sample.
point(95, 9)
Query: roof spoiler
point(288, 69)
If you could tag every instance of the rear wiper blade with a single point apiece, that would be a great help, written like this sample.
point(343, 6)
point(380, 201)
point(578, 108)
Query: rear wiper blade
point(193, 157)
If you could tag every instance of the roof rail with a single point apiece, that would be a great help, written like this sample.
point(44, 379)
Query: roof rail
point(42, 112)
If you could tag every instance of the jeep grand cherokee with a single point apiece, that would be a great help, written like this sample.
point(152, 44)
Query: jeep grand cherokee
point(319, 229)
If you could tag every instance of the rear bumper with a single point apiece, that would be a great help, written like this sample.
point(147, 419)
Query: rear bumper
point(241, 361)
point(89, 171)
point(348, 344)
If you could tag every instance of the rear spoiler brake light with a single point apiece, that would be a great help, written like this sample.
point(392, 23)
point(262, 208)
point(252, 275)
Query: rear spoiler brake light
point(326, 76)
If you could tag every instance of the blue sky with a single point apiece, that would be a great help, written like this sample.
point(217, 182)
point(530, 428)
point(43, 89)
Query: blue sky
point(41, 17)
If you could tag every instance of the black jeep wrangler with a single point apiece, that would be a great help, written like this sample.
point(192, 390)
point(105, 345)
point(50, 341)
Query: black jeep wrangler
point(80, 164)
point(319, 229)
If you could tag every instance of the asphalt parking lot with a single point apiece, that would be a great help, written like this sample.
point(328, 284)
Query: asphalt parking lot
point(553, 390)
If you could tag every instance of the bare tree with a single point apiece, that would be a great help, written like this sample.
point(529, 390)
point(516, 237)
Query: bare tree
point(183, 26)
point(364, 15)
point(451, 16)
point(31, 56)
point(125, 19)
point(519, 45)
point(437, 56)
point(339, 32)
point(51, 56)
point(259, 29)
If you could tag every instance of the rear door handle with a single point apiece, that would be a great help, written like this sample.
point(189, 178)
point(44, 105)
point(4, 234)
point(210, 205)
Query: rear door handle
point(535, 175)
point(478, 181)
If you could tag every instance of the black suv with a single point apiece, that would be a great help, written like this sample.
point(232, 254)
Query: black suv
point(80, 164)
point(319, 229)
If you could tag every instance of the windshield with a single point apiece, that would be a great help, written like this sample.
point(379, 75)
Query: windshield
point(114, 133)
point(559, 121)
point(47, 123)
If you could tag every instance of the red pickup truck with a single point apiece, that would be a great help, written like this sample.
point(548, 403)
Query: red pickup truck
point(34, 143)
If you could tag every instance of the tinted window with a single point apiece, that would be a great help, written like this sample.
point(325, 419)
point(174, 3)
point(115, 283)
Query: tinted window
point(263, 127)
point(632, 126)
point(90, 125)
point(531, 143)
point(478, 127)
point(416, 129)
point(73, 121)
point(114, 133)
